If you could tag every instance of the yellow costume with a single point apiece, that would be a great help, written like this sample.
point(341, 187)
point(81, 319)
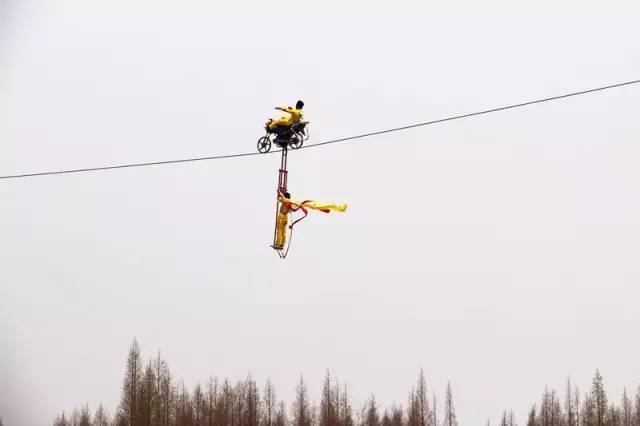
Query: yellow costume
point(294, 117)
point(281, 226)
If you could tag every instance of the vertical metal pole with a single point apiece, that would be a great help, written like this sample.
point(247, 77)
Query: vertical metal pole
point(282, 180)
point(282, 187)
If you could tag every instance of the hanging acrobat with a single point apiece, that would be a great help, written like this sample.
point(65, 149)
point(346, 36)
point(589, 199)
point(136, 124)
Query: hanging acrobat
point(290, 132)
point(286, 206)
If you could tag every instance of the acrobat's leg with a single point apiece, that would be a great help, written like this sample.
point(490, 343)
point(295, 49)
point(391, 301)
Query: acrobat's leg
point(281, 233)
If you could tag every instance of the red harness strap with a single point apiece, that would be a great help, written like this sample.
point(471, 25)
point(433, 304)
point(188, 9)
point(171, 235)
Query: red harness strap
point(296, 207)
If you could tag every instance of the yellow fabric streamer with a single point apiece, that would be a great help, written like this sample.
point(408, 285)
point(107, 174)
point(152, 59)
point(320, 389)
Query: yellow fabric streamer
point(316, 205)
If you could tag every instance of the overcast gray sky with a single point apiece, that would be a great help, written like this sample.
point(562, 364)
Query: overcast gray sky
point(499, 253)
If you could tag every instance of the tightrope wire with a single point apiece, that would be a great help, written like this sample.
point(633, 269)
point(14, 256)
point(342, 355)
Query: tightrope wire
point(349, 138)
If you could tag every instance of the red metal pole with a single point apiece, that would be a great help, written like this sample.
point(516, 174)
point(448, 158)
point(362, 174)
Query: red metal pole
point(282, 188)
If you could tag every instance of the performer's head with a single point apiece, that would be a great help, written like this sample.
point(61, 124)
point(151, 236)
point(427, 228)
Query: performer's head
point(299, 105)
point(287, 195)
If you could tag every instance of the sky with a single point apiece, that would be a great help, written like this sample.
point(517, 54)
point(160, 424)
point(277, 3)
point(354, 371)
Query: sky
point(499, 253)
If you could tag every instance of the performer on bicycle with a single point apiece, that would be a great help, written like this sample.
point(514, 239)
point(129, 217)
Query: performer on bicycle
point(282, 125)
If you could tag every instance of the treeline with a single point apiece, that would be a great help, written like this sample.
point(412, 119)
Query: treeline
point(152, 397)
point(592, 409)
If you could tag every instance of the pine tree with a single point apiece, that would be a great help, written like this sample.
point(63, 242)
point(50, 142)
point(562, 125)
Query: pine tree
point(199, 405)
point(315, 417)
point(626, 411)
point(162, 391)
point(238, 411)
point(85, 417)
point(147, 396)
point(550, 409)
point(269, 403)
point(336, 402)
point(252, 402)
point(599, 397)
point(434, 410)
point(301, 411)
point(412, 410)
point(568, 405)
point(556, 410)
point(576, 405)
point(184, 408)
point(371, 418)
point(281, 416)
point(127, 414)
point(100, 418)
point(532, 419)
point(413, 416)
point(346, 410)
point(504, 421)
point(636, 415)
point(614, 416)
point(422, 400)
point(545, 408)
point(59, 421)
point(449, 409)
point(75, 417)
point(328, 415)
point(226, 406)
point(386, 419)
point(397, 416)
point(588, 412)
point(212, 400)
